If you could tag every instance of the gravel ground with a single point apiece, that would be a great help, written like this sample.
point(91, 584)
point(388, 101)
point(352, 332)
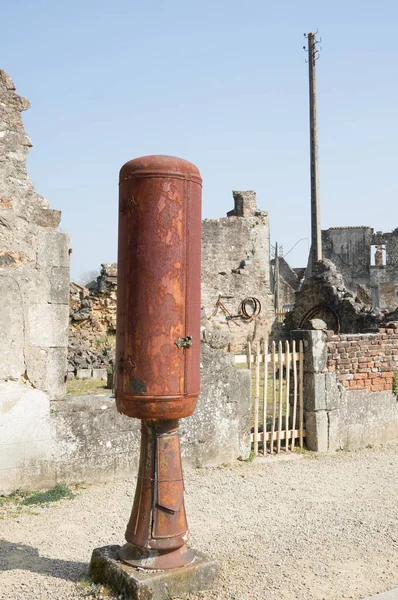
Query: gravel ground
point(309, 528)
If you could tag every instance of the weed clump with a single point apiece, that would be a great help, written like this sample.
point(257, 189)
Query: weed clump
point(52, 495)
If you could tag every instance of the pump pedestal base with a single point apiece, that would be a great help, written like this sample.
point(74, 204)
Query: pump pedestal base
point(137, 584)
point(155, 559)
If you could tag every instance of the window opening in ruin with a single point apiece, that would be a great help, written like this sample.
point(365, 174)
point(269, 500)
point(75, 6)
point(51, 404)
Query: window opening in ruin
point(378, 255)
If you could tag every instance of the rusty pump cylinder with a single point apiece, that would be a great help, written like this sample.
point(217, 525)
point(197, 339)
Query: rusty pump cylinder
point(158, 344)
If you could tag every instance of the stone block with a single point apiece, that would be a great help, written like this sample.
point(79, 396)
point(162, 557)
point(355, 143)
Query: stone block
point(36, 366)
point(46, 217)
point(333, 391)
point(314, 391)
point(201, 574)
point(48, 325)
point(59, 285)
point(52, 249)
point(56, 373)
point(46, 369)
point(334, 430)
point(316, 426)
point(12, 363)
point(315, 350)
point(100, 374)
point(83, 373)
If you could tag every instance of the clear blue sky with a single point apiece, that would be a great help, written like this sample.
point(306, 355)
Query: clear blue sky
point(222, 83)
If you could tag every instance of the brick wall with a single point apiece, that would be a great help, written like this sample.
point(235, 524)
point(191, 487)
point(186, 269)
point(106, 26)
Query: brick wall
point(365, 361)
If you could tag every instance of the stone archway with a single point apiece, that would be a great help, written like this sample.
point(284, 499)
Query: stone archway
point(326, 313)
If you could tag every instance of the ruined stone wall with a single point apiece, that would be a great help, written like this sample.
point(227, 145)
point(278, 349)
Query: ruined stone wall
point(358, 253)
point(289, 283)
point(86, 440)
point(34, 265)
point(235, 265)
point(324, 296)
point(34, 296)
point(93, 325)
point(366, 361)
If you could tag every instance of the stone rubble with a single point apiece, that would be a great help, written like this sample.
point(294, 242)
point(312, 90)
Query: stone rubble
point(93, 324)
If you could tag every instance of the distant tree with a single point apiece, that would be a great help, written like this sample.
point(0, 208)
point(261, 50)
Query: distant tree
point(88, 276)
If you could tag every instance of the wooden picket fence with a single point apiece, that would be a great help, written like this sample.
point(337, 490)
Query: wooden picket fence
point(277, 393)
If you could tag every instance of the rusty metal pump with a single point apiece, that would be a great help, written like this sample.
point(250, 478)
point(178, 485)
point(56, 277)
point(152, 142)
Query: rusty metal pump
point(158, 344)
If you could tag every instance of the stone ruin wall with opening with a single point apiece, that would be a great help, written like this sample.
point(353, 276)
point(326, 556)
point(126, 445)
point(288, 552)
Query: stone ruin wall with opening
point(353, 250)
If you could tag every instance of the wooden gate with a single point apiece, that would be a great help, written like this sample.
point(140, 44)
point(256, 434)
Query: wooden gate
point(277, 396)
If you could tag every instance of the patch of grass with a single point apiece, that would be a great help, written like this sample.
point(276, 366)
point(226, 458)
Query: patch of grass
point(299, 450)
point(86, 387)
point(89, 589)
point(395, 384)
point(14, 505)
point(250, 458)
point(52, 495)
point(16, 496)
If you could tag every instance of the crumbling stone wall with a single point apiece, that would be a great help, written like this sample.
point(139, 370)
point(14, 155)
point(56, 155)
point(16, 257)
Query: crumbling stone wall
point(235, 265)
point(324, 295)
point(34, 297)
point(90, 441)
point(93, 325)
point(357, 253)
point(289, 283)
point(34, 265)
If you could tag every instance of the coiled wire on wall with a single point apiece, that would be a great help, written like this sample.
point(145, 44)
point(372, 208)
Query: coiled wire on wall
point(249, 308)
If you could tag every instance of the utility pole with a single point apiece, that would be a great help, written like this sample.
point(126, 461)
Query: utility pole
point(276, 279)
point(316, 236)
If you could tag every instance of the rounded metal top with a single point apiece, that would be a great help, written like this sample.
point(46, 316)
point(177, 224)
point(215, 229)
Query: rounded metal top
point(160, 166)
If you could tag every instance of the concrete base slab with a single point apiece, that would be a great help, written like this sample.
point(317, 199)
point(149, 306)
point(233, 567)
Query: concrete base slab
point(137, 584)
point(391, 595)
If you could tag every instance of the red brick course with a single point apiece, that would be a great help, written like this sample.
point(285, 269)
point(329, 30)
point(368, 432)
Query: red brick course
point(365, 361)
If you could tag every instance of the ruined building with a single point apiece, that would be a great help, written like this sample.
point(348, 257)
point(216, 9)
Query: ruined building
point(355, 287)
point(368, 262)
point(237, 303)
point(289, 282)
